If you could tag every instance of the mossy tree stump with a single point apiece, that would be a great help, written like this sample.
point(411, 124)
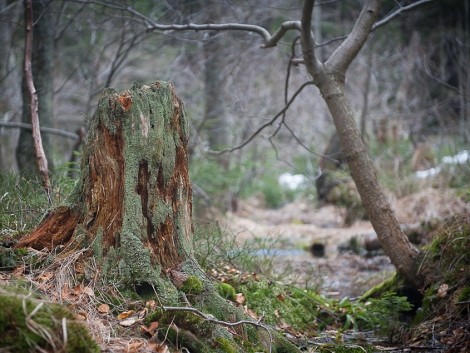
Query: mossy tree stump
point(132, 203)
point(132, 207)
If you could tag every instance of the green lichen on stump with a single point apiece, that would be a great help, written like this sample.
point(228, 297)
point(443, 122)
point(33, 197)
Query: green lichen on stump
point(28, 324)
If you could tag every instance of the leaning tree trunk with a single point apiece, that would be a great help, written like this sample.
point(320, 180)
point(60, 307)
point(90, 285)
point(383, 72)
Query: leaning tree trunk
point(132, 207)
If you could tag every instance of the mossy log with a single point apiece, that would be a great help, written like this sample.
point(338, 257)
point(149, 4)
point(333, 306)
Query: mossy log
point(132, 206)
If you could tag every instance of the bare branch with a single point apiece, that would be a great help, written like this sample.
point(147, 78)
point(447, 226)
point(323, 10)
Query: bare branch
point(343, 55)
point(50, 130)
point(396, 13)
point(308, 41)
point(222, 323)
point(265, 125)
point(282, 30)
point(381, 22)
point(269, 40)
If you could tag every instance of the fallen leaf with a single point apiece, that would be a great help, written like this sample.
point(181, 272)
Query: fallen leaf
point(151, 304)
point(89, 291)
point(251, 313)
point(442, 291)
point(150, 329)
point(45, 276)
point(239, 298)
point(80, 316)
point(159, 348)
point(125, 314)
point(281, 297)
point(103, 308)
point(128, 322)
point(134, 346)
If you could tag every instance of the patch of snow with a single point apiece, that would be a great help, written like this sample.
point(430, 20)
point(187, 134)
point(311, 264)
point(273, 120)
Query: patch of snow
point(291, 181)
point(423, 174)
point(460, 158)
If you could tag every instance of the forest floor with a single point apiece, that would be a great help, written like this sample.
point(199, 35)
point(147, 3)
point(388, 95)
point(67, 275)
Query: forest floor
point(284, 236)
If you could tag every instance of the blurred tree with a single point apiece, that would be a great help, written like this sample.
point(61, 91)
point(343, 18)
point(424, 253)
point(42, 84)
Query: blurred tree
point(10, 11)
point(42, 69)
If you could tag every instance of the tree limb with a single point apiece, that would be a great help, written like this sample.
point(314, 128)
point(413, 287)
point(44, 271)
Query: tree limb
point(265, 125)
point(396, 13)
point(342, 57)
point(314, 67)
point(50, 130)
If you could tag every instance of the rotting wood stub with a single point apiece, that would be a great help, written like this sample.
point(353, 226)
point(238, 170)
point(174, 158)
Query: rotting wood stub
point(106, 191)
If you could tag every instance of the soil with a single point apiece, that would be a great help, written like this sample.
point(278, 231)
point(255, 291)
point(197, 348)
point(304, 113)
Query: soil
point(346, 268)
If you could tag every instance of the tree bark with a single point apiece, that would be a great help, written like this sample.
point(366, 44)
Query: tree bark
point(329, 77)
point(132, 205)
point(394, 242)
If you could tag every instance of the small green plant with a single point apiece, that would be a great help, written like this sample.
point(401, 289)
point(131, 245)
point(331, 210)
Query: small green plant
point(226, 291)
point(192, 285)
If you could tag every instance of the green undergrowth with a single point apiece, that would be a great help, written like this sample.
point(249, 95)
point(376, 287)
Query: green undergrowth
point(307, 311)
point(29, 324)
point(23, 201)
point(448, 255)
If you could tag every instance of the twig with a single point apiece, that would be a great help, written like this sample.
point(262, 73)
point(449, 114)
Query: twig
point(265, 125)
point(222, 323)
point(49, 130)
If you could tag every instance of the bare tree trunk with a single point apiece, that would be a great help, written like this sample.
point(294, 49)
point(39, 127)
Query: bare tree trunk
point(394, 242)
point(36, 132)
point(132, 206)
point(329, 78)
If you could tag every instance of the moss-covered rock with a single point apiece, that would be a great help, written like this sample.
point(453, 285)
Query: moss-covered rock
point(29, 324)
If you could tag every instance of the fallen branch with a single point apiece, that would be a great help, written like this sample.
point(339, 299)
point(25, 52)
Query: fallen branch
point(220, 322)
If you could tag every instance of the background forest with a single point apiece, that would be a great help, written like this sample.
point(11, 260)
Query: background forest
point(409, 86)
point(271, 190)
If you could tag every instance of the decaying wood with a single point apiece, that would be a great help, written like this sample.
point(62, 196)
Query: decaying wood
point(134, 188)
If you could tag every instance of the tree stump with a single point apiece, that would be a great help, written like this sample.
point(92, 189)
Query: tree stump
point(132, 207)
point(132, 203)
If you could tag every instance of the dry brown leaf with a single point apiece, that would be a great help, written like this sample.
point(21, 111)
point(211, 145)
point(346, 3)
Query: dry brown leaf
point(239, 298)
point(442, 291)
point(19, 271)
point(125, 314)
point(128, 322)
point(103, 308)
point(44, 276)
point(150, 329)
point(281, 297)
point(159, 348)
point(151, 304)
point(89, 291)
point(133, 347)
point(80, 316)
point(251, 313)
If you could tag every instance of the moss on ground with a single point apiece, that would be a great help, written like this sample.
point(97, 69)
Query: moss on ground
point(28, 324)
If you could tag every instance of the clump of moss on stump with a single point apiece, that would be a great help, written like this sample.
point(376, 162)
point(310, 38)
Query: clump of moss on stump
point(28, 324)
